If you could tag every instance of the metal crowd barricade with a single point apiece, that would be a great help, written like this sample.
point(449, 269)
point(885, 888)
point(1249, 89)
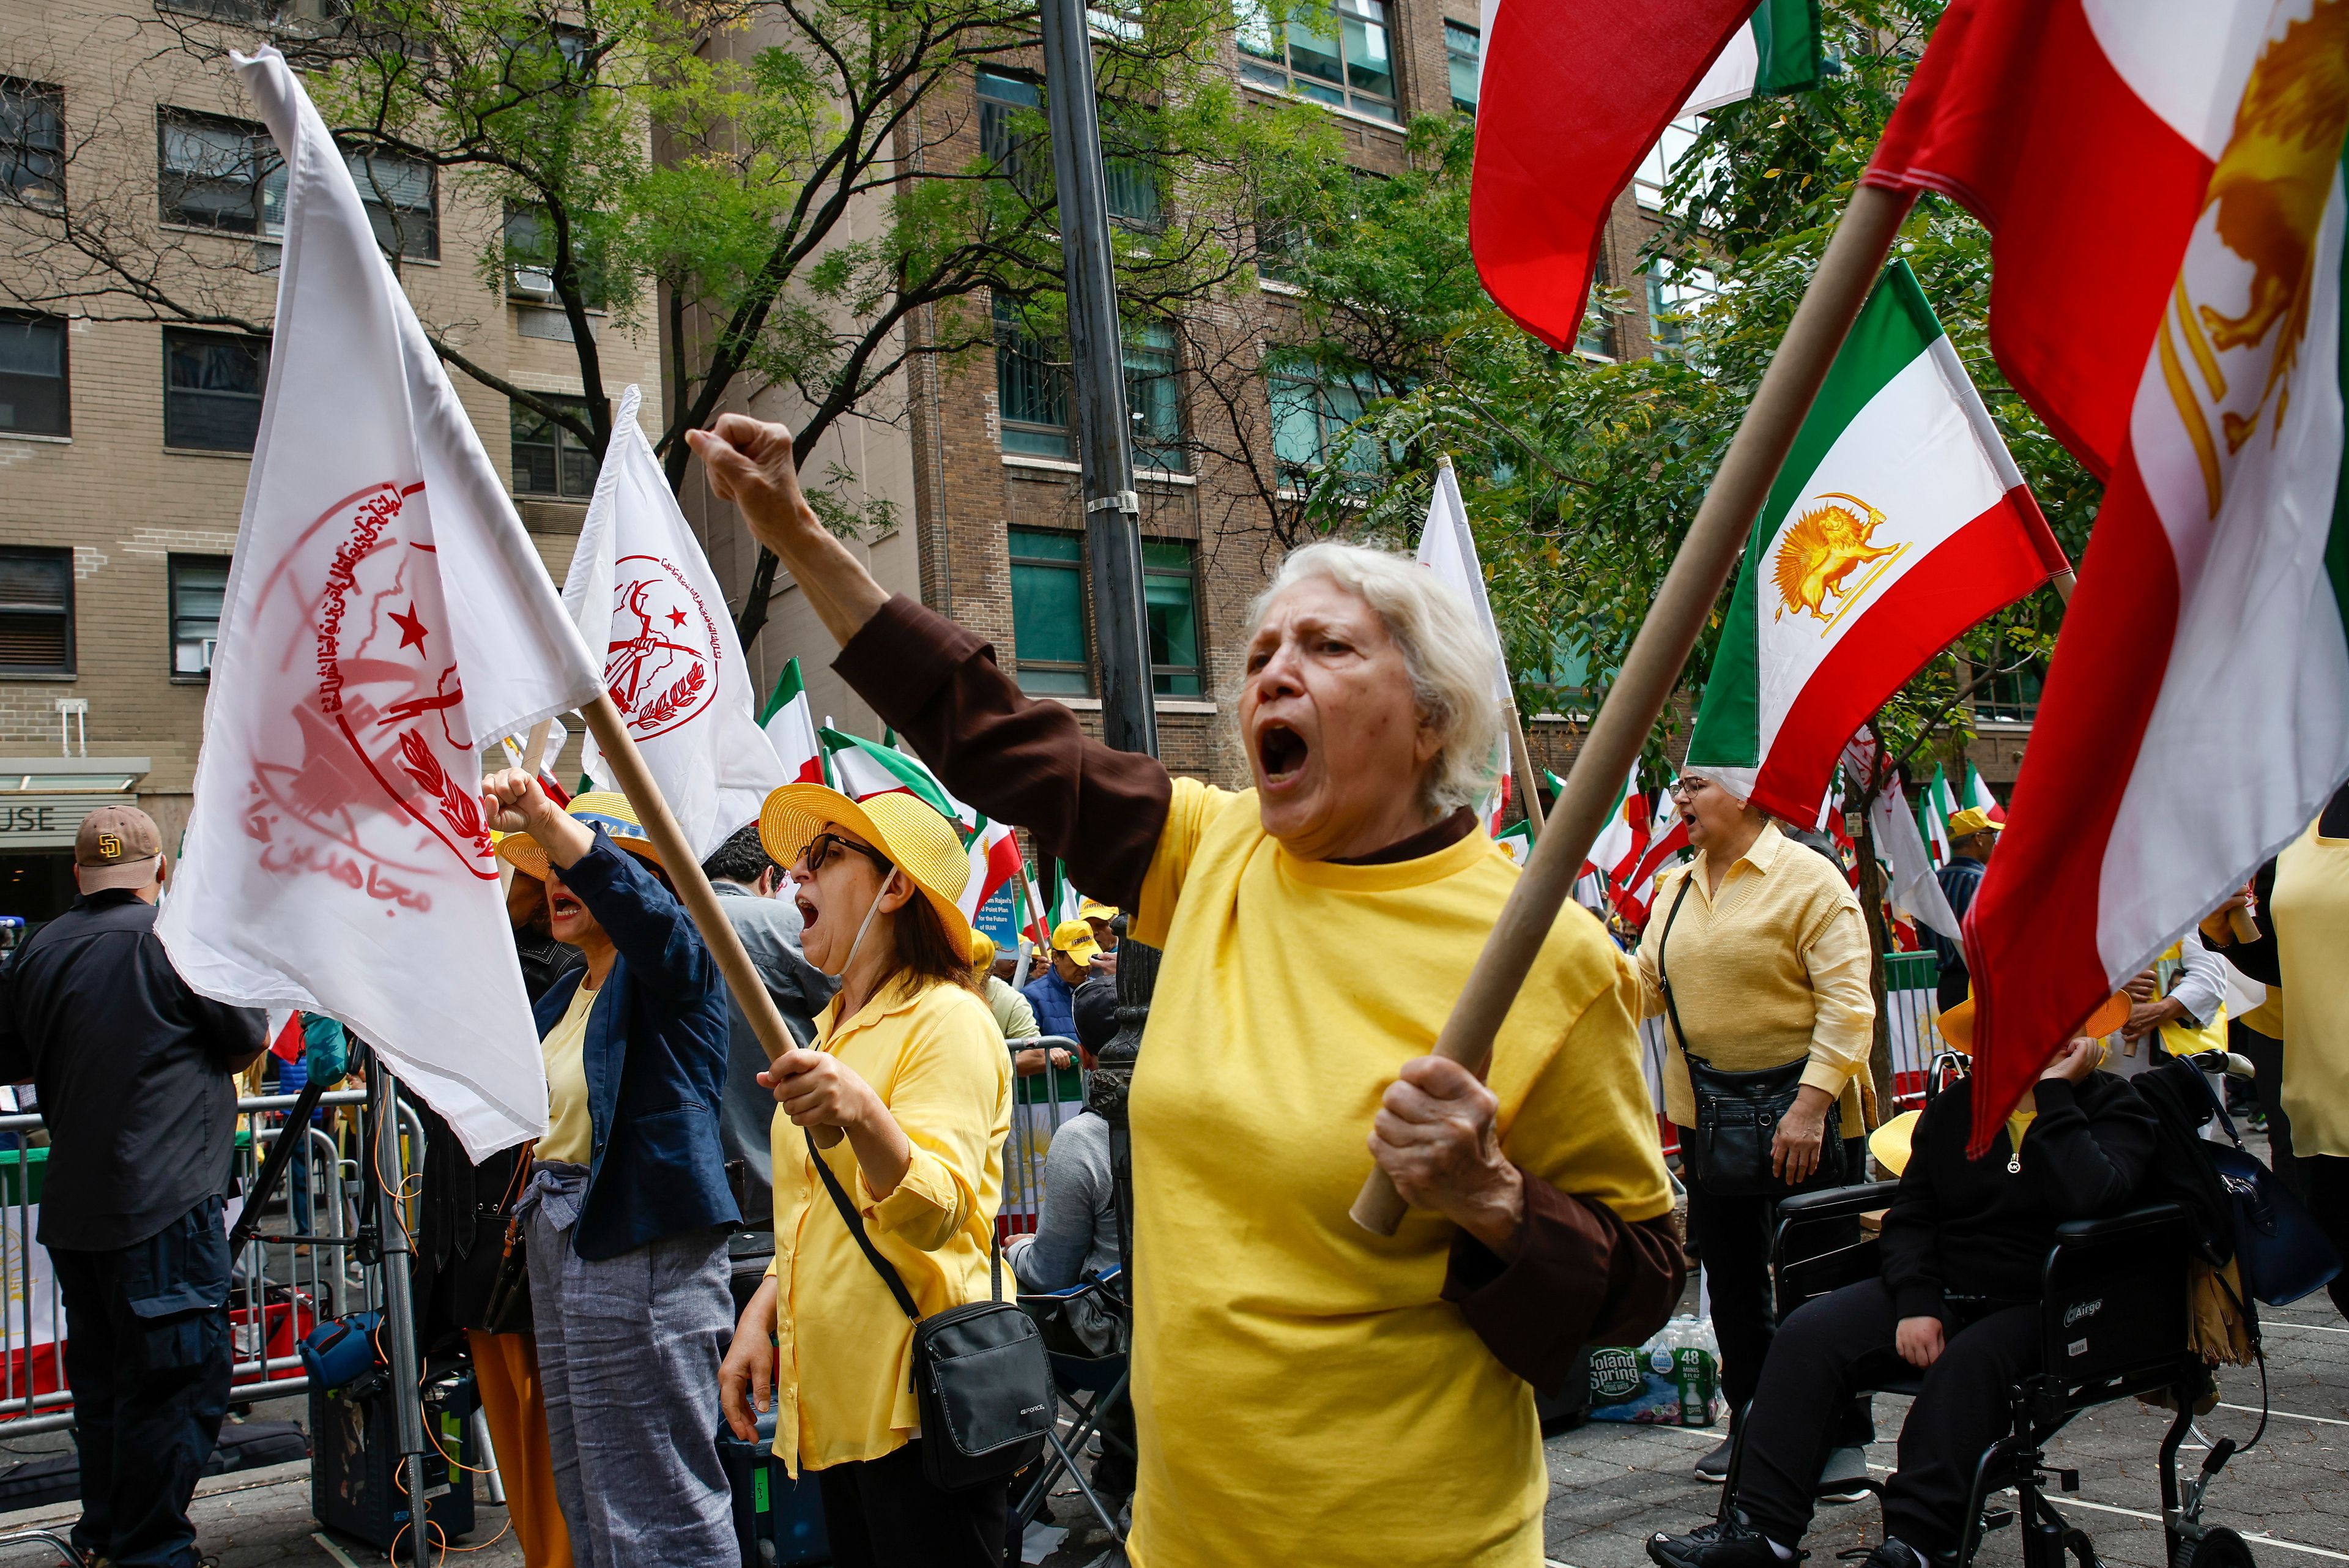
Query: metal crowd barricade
point(1040, 1102)
point(279, 1285)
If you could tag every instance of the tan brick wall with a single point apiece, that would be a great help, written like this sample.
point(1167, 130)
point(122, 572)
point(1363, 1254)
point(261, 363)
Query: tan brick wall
point(112, 492)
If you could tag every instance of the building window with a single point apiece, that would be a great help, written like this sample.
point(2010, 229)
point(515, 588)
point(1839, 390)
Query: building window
point(1170, 602)
point(1048, 612)
point(221, 173)
point(2012, 697)
point(36, 612)
point(1656, 169)
point(33, 142)
point(1341, 59)
point(1154, 400)
point(548, 460)
point(398, 195)
point(199, 583)
point(212, 383)
point(1130, 168)
point(1032, 390)
point(1597, 338)
point(1462, 49)
point(1009, 109)
point(1675, 296)
point(529, 259)
point(33, 400)
point(1310, 414)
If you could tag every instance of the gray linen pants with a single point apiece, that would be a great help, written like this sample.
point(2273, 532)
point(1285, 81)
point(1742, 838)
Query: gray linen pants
point(628, 1350)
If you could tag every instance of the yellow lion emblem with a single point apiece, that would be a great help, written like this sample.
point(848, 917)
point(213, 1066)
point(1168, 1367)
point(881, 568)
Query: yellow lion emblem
point(1824, 547)
point(2269, 187)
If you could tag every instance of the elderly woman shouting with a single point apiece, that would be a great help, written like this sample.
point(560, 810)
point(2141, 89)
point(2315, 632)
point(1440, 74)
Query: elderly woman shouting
point(1305, 1391)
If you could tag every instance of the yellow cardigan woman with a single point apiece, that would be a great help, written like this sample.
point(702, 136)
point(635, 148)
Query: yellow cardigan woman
point(908, 1063)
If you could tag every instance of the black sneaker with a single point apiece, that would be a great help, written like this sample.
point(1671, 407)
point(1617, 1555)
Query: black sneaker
point(1844, 1477)
point(1714, 1468)
point(1730, 1545)
point(1892, 1552)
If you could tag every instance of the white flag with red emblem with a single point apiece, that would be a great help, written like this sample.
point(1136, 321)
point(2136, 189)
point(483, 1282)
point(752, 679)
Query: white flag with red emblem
point(385, 619)
point(640, 588)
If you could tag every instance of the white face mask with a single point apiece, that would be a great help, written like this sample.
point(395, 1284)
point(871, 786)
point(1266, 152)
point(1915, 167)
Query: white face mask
point(870, 910)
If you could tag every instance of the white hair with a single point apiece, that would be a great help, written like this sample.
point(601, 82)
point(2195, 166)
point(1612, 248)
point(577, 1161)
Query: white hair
point(1445, 650)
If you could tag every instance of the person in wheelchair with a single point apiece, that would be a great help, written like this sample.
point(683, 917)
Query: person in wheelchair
point(1954, 1307)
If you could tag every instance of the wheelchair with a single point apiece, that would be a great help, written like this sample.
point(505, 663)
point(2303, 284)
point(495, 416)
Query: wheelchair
point(1091, 1386)
point(2113, 1326)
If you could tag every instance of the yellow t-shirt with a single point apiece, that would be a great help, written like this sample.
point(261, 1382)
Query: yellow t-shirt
point(843, 1349)
point(1303, 1392)
point(2310, 904)
point(570, 1131)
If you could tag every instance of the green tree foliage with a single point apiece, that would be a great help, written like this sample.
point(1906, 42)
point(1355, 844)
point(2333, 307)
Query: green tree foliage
point(1582, 477)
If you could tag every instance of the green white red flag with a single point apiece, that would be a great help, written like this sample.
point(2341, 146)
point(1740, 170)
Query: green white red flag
point(1545, 180)
point(2163, 183)
point(1777, 51)
point(1978, 795)
point(1935, 806)
point(790, 723)
point(863, 768)
point(1897, 521)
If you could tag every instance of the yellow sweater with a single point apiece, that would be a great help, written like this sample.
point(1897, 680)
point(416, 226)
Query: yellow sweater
point(843, 1351)
point(1771, 968)
point(2310, 905)
point(1303, 1394)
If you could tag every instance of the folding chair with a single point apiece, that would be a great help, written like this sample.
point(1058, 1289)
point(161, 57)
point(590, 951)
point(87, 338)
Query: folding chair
point(1092, 1385)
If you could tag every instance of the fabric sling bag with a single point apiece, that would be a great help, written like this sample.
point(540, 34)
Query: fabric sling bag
point(980, 1376)
point(507, 1309)
point(1737, 1114)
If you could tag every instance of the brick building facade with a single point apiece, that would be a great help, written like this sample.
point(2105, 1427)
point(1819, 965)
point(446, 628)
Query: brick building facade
point(991, 523)
point(124, 445)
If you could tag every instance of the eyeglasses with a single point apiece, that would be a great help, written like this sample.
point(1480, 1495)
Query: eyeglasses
point(820, 848)
point(1683, 789)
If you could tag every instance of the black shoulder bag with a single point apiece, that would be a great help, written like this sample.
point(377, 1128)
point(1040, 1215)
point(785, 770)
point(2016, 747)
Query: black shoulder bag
point(979, 1371)
point(1737, 1114)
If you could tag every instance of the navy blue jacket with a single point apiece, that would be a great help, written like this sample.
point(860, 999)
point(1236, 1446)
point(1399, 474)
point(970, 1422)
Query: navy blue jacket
point(1054, 1002)
point(1960, 880)
point(656, 1062)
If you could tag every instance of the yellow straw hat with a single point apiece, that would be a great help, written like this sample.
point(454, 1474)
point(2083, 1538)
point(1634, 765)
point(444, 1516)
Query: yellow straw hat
point(907, 831)
point(1957, 1023)
point(1890, 1143)
point(607, 809)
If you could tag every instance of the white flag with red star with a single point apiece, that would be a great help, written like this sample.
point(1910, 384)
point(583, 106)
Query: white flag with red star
point(385, 619)
point(641, 589)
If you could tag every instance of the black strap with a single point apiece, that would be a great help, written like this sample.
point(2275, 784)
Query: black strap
point(1665, 980)
point(881, 1265)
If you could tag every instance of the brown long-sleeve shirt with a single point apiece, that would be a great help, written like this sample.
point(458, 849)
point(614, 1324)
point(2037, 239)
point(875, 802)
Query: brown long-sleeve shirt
point(1581, 1274)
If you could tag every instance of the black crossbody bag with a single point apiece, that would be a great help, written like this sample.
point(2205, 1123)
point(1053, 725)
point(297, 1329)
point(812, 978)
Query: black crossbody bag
point(980, 1375)
point(1737, 1114)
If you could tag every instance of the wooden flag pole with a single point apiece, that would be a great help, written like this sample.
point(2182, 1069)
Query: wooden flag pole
point(1846, 275)
point(693, 889)
point(1528, 781)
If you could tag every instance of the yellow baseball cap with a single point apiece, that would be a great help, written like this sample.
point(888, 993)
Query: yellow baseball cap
point(603, 808)
point(1093, 910)
point(1972, 820)
point(982, 950)
point(1075, 939)
point(907, 830)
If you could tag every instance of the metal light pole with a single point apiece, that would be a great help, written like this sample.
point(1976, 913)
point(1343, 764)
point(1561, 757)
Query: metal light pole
point(1097, 360)
point(1113, 516)
point(400, 1311)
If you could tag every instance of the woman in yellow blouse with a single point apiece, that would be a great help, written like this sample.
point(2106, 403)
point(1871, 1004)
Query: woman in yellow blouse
point(908, 1063)
point(1769, 964)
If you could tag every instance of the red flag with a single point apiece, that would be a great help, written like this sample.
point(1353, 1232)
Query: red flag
point(287, 1046)
point(1570, 99)
point(2162, 184)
